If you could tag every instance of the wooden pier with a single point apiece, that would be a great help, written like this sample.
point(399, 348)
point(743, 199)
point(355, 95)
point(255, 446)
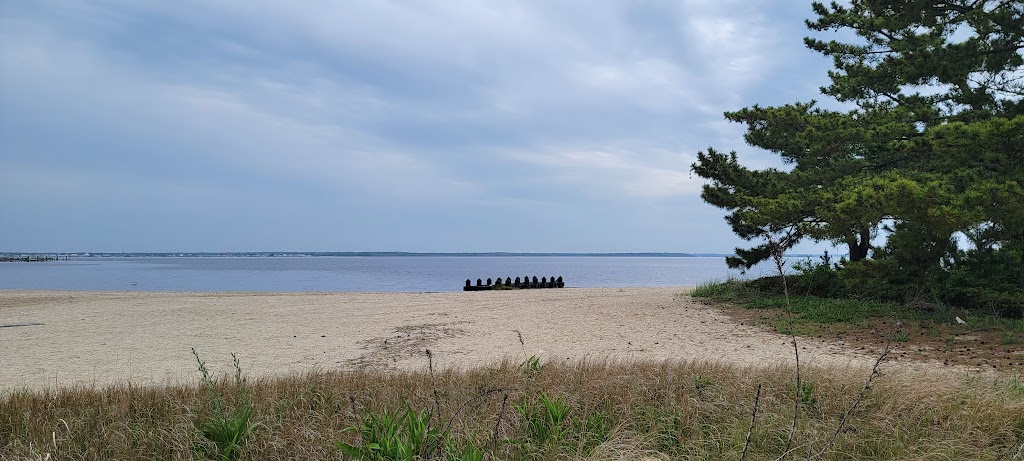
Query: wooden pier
point(518, 283)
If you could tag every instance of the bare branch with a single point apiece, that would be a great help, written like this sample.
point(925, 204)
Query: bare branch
point(863, 391)
point(753, 419)
point(497, 424)
point(777, 250)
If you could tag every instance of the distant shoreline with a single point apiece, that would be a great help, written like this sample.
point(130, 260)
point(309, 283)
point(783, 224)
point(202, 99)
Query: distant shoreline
point(302, 254)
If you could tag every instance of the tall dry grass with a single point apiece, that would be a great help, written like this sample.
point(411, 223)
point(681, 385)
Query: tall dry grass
point(690, 410)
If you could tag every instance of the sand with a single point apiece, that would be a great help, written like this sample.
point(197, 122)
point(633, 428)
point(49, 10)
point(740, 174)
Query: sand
point(63, 338)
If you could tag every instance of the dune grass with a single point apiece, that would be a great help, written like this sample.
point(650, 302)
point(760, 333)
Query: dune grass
point(637, 410)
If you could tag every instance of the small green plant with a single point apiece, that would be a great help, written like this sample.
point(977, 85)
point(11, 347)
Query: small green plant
point(544, 422)
point(224, 430)
point(901, 336)
point(1015, 383)
point(702, 384)
point(595, 428)
point(807, 397)
point(398, 436)
point(468, 452)
point(532, 366)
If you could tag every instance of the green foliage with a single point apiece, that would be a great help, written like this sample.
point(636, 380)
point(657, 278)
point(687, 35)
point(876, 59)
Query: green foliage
point(824, 196)
point(396, 436)
point(224, 430)
point(929, 158)
point(1015, 383)
point(668, 427)
point(818, 279)
point(468, 452)
point(531, 366)
point(966, 51)
point(544, 420)
point(986, 279)
point(806, 394)
point(879, 279)
point(815, 316)
point(725, 290)
point(594, 429)
point(702, 383)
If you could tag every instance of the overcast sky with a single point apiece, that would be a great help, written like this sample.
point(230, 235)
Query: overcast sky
point(382, 125)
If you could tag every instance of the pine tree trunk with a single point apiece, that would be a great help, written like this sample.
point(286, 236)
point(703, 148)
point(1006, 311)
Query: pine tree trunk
point(859, 246)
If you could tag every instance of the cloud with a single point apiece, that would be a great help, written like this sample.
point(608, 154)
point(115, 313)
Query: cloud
point(152, 127)
point(611, 174)
point(425, 106)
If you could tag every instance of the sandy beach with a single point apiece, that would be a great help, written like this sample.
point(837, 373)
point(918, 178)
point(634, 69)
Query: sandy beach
point(57, 338)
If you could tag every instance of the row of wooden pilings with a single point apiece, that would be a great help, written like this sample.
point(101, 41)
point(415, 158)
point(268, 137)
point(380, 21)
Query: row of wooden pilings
point(508, 283)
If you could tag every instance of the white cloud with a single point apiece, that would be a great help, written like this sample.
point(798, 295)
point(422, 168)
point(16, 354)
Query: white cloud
point(653, 84)
point(265, 127)
point(395, 102)
point(611, 173)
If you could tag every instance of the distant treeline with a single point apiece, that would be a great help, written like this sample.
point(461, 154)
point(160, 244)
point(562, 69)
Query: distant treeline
point(33, 258)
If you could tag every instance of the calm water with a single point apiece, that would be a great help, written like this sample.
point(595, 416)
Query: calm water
point(351, 273)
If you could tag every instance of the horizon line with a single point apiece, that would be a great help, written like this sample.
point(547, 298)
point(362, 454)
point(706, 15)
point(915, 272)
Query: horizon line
point(367, 253)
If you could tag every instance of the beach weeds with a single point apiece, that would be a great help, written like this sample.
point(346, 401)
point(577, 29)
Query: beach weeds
point(730, 288)
point(609, 410)
point(1015, 383)
point(702, 383)
point(405, 435)
point(806, 393)
point(224, 430)
point(398, 435)
point(532, 366)
point(544, 421)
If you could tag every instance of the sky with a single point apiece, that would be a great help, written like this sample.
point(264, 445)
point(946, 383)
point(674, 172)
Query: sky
point(437, 126)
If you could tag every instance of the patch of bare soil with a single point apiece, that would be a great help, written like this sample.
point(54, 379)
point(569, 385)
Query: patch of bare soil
point(405, 342)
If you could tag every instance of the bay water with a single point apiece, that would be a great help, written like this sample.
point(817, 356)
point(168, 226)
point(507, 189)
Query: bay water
point(353, 273)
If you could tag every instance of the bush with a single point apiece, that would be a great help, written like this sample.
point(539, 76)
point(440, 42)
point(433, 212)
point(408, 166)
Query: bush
point(817, 279)
point(986, 279)
point(878, 279)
